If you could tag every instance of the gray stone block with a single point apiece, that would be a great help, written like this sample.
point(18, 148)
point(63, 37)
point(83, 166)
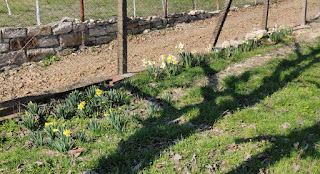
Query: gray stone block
point(8, 33)
point(39, 31)
point(70, 40)
point(49, 41)
point(12, 58)
point(4, 47)
point(62, 28)
point(37, 54)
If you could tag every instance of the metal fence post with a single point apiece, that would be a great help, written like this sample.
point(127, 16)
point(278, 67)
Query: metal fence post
point(81, 11)
point(264, 24)
point(221, 20)
point(304, 11)
point(122, 36)
point(166, 9)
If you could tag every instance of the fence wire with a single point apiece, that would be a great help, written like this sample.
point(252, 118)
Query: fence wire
point(23, 12)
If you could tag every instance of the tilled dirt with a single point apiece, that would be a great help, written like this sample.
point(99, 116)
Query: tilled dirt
point(34, 80)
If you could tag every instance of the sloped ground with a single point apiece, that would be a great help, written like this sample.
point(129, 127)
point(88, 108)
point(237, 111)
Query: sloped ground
point(33, 80)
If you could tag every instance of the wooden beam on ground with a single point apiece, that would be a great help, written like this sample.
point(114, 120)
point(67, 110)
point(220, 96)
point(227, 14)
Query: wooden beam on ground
point(9, 109)
point(221, 20)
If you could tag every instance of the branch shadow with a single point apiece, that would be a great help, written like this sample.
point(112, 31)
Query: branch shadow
point(301, 141)
point(139, 150)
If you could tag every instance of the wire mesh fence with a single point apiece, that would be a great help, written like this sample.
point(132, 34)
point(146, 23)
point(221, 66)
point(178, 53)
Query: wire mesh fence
point(23, 12)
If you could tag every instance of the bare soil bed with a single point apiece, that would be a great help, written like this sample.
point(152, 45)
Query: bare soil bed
point(97, 61)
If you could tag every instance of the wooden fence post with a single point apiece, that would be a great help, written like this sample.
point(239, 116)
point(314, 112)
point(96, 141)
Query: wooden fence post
point(81, 11)
point(218, 4)
point(221, 20)
point(304, 11)
point(264, 24)
point(122, 36)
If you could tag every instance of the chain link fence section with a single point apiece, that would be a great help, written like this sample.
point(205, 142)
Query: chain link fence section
point(23, 12)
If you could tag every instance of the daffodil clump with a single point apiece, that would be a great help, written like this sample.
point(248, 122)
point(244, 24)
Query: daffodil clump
point(152, 70)
point(170, 65)
point(115, 118)
point(277, 33)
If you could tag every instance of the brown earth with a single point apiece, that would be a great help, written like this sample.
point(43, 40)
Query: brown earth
point(97, 61)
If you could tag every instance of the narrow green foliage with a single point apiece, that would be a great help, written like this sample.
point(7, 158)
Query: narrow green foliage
point(91, 92)
point(80, 135)
point(152, 109)
point(95, 127)
point(34, 109)
point(29, 121)
point(117, 97)
point(37, 138)
point(62, 112)
point(114, 119)
point(62, 144)
point(166, 97)
point(72, 101)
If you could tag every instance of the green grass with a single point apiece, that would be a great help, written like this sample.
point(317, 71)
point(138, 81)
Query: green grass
point(219, 128)
point(24, 12)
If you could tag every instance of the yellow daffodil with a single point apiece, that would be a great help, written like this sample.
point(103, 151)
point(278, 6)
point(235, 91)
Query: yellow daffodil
point(106, 114)
point(169, 60)
point(80, 106)
point(67, 132)
point(120, 108)
point(103, 102)
point(54, 123)
point(180, 51)
point(193, 51)
point(55, 130)
point(83, 103)
point(255, 39)
point(48, 124)
point(98, 92)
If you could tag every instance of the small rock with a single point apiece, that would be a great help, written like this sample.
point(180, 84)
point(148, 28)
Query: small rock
point(262, 156)
point(226, 44)
point(28, 144)
point(273, 139)
point(40, 163)
point(233, 8)
point(153, 85)
point(285, 125)
point(247, 6)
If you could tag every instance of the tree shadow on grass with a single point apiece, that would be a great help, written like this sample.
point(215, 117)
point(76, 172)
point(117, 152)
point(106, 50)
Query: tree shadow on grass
point(301, 141)
point(139, 150)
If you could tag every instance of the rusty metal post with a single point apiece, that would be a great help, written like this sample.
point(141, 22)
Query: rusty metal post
point(304, 11)
point(166, 9)
point(264, 24)
point(122, 36)
point(221, 20)
point(218, 4)
point(81, 10)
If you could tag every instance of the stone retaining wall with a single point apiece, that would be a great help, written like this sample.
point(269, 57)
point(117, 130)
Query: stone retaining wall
point(24, 44)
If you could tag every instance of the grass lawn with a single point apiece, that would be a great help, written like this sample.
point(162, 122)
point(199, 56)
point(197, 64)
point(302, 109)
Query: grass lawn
point(24, 11)
point(266, 119)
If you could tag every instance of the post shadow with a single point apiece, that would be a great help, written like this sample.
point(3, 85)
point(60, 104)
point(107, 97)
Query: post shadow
point(156, 135)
